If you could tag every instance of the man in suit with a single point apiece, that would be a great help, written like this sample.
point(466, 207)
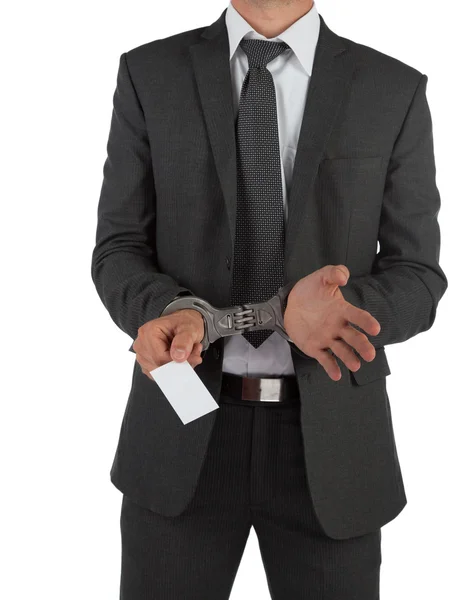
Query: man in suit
point(261, 150)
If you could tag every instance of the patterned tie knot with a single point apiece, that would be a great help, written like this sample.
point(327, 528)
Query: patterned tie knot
point(261, 52)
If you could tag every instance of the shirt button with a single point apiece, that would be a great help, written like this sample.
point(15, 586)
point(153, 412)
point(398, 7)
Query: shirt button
point(228, 262)
point(216, 352)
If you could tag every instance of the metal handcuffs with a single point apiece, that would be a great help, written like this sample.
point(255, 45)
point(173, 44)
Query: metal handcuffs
point(234, 320)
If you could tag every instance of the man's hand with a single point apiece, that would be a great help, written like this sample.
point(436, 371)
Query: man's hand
point(176, 336)
point(317, 318)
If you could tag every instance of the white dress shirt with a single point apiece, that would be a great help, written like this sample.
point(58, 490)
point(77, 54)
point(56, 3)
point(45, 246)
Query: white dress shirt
point(291, 73)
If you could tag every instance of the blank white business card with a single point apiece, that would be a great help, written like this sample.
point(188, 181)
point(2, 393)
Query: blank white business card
point(184, 390)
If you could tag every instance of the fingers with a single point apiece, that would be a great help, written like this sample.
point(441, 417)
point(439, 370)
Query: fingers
point(320, 321)
point(358, 340)
point(335, 275)
point(329, 363)
point(344, 345)
point(182, 345)
point(173, 337)
point(194, 359)
point(362, 318)
point(346, 354)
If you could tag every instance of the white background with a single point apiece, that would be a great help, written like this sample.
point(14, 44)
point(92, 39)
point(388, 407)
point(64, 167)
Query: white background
point(66, 369)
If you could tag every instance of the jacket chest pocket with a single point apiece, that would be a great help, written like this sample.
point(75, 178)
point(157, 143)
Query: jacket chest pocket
point(347, 205)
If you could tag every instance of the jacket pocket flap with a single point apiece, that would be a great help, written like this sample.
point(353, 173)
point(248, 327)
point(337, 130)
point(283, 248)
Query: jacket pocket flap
point(370, 371)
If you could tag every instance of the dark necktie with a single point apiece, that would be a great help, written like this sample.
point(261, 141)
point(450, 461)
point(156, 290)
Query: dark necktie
point(259, 238)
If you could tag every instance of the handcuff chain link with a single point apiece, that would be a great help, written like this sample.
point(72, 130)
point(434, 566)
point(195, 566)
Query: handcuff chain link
point(250, 319)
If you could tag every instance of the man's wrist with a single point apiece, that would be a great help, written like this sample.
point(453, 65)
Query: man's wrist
point(179, 295)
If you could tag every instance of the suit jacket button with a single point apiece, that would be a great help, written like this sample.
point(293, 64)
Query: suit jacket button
point(216, 353)
point(228, 262)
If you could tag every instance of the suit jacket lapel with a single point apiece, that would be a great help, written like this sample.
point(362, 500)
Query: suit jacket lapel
point(211, 65)
point(331, 75)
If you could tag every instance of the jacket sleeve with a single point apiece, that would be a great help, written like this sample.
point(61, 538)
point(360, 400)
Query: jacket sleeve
point(124, 266)
point(406, 282)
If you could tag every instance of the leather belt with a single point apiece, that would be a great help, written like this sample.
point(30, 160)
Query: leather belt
point(282, 390)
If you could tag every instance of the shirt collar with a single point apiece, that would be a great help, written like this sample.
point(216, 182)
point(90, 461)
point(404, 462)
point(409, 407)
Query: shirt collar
point(301, 36)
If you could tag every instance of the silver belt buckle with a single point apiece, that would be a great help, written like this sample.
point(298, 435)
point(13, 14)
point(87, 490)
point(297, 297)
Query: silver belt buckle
point(264, 389)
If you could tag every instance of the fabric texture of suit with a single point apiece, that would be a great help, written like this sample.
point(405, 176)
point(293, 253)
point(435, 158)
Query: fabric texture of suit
point(364, 172)
point(253, 475)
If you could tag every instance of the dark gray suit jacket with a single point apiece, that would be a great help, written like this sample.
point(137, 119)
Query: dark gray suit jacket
point(364, 172)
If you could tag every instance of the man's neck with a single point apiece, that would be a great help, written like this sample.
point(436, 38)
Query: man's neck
point(272, 17)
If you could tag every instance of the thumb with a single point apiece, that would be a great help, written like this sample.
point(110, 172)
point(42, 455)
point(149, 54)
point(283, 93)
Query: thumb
point(337, 275)
point(182, 345)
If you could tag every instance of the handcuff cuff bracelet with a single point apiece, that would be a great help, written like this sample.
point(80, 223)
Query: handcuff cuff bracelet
point(234, 320)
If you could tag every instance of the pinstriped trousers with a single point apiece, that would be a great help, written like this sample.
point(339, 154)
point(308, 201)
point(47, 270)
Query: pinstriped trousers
point(253, 475)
